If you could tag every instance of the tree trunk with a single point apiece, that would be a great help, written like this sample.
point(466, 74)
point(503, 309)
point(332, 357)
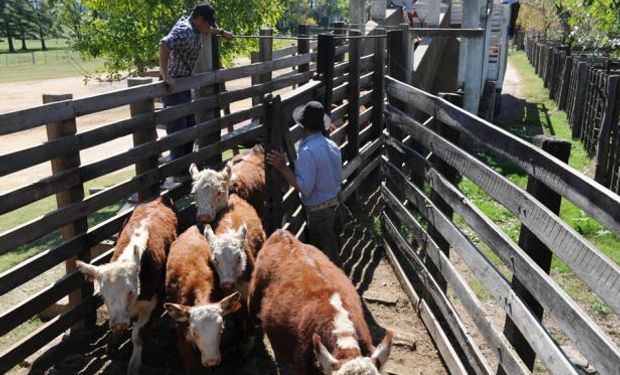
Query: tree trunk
point(24, 44)
point(9, 38)
point(42, 36)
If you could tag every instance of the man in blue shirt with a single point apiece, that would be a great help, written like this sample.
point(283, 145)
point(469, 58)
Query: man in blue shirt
point(317, 177)
point(178, 53)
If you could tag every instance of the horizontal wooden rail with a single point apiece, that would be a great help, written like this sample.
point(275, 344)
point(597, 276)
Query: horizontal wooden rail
point(366, 153)
point(593, 267)
point(357, 181)
point(69, 178)
point(587, 194)
point(452, 318)
point(38, 227)
point(12, 122)
point(454, 33)
point(287, 51)
point(544, 345)
point(578, 326)
point(435, 329)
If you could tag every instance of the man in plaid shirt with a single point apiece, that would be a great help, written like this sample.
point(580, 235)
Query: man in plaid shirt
point(178, 53)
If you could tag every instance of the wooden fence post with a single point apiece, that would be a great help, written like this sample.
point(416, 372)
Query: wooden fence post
point(75, 194)
point(353, 115)
point(303, 46)
point(568, 66)
point(265, 53)
point(325, 67)
point(532, 246)
point(579, 98)
point(144, 135)
point(273, 180)
point(610, 114)
point(377, 82)
point(339, 32)
point(208, 61)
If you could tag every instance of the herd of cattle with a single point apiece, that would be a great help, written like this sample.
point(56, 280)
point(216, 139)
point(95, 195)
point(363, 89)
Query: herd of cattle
point(232, 274)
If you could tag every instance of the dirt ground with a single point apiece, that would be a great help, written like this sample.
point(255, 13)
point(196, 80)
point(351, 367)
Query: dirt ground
point(385, 305)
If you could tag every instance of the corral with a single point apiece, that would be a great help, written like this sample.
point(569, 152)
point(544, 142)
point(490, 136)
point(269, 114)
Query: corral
point(404, 168)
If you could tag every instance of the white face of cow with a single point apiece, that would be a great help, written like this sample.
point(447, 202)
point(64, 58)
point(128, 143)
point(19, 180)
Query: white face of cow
point(356, 366)
point(205, 325)
point(211, 190)
point(229, 257)
point(120, 280)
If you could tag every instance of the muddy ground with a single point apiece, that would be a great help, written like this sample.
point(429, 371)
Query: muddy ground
point(385, 305)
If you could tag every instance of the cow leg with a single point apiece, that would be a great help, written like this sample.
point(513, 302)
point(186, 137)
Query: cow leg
point(143, 309)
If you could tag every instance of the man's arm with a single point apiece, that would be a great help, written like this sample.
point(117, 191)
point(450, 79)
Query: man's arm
point(164, 56)
point(276, 159)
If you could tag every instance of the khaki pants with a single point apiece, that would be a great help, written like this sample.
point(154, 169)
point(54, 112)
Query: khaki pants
point(322, 232)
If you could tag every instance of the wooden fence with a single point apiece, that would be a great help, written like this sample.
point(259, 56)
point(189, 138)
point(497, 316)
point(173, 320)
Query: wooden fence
point(348, 84)
point(586, 87)
point(421, 166)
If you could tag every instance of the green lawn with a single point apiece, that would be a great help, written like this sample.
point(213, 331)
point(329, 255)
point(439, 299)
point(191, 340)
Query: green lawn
point(34, 64)
point(554, 123)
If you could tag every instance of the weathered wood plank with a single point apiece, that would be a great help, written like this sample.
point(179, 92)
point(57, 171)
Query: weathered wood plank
point(362, 158)
point(446, 350)
point(601, 274)
point(363, 174)
point(587, 194)
point(29, 118)
point(578, 326)
point(552, 356)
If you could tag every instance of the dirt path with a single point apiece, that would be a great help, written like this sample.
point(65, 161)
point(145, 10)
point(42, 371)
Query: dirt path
point(385, 305)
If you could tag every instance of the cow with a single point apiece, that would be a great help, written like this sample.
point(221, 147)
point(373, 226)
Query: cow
point(248, 177)
point(235, 241)
point(131, 282)
point(311, 312)
point(243, 175)
point(192, 297)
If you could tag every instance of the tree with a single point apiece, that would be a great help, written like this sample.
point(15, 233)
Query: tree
point(592, 24)
point(126, 33)
point(46, 24)
point(7, 22)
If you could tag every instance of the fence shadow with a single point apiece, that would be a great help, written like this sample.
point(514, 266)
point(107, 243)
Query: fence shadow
point(523, 118)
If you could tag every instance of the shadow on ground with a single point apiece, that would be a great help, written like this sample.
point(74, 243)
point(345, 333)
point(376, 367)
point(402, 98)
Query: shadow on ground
point(523, 118)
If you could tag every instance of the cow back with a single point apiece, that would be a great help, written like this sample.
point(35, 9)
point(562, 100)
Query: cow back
point(248, 177)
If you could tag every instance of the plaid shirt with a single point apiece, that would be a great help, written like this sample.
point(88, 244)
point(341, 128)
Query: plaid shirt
point(184, 43)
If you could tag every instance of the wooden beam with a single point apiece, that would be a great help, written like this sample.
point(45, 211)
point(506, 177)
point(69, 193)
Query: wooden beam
point(580, 255)
point(551, 355)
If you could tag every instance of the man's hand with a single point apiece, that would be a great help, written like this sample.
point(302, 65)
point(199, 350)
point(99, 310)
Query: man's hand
point(227, 35)
point(276, 159)
point(170, 83)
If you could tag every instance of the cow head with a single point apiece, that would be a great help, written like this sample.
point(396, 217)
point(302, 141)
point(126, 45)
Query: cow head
point(119, 281)
point(229, 257)
point(205, 325)
point(356, 366)
point(211, 190)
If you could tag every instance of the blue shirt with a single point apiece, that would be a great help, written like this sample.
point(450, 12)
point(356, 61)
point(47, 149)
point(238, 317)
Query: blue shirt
point(184, 43)
point(318, 169)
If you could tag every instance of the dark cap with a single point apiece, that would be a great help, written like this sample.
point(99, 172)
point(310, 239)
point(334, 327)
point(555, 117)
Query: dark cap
point(206, 11)
point(312, 116)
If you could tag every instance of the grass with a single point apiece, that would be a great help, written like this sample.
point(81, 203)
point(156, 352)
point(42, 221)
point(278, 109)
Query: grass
point(43, 206)
point(539, 109)
point(34, 64)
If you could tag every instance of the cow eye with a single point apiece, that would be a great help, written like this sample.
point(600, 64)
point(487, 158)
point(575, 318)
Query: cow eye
point(238, 258)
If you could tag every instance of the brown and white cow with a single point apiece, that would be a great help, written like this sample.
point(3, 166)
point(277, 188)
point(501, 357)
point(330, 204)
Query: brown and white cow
point(192, 296)
point(235, 241)
point(248, 177)
point(131, 282)
point(311, 312)
point(243, 175)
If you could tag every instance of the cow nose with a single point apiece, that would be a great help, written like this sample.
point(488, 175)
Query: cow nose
point(204, 219)
point(118, 326)
point(211, 362)
point(227, 286)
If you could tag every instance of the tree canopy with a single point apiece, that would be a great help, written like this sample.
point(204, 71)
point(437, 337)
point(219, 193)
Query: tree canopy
point(27, 19)
point(126, 33)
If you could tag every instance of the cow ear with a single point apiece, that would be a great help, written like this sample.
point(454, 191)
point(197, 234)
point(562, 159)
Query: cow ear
point(91, 272)
point(194, 171)
point(227, 172)
point(177, 312)
point(323, 356)
point(382, 352)
point(209, 234)
point(243, 232)
point(231, 303)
